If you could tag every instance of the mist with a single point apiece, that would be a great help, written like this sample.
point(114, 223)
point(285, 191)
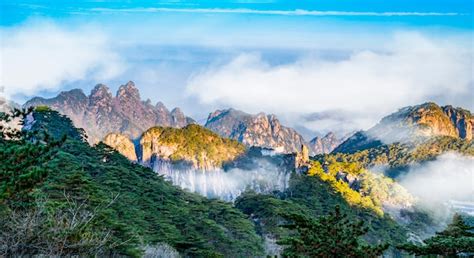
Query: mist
point(226, 185)
point(439, 183)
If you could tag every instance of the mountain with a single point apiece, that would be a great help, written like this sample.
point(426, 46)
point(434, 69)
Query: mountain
point(83, 200)
point(191, 145)
point(101, 113)
point(255, 130)
point(413, 124)
point(325, 144)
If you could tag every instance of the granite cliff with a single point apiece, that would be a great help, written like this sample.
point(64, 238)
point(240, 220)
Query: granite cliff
point(259, 130)
point(413, 124)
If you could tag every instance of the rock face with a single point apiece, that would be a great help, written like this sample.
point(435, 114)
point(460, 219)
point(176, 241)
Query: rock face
point(191, 146)
point(255, 130)
point(411, 124)
point(122, 144)
point(324, 145)
point(101, 113)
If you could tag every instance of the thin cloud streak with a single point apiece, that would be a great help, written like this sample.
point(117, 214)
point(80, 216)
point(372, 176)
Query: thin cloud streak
point(297, 12)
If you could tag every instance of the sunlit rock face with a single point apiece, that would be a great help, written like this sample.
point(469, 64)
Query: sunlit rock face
point(260, 130)
point(122, 144)
point(413, 123)
point(255, 171)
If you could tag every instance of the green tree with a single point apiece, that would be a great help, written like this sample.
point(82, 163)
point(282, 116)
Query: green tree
point(455, 239)
point(333, 235)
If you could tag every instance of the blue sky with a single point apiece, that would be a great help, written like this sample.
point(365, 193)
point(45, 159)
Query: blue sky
point(203, 55)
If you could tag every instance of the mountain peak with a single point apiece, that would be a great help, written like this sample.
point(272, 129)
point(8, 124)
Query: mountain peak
point(101, 90)
point(100, 113)
point(259, 130)
point(414, 123)
point(129, 90)
point(161, 107)
point(325, 144)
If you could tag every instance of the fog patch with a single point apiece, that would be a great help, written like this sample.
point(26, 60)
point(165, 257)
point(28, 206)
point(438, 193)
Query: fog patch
point(226, 185)
point(440, 184)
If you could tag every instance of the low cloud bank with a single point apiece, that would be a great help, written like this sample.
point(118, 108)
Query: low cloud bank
point(359, 89)
point(448, 178)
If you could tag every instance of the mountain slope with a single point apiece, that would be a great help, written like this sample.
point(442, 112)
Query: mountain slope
point(255, 130)
point(325, 144)
point(101, 113)
point(121, 206)
point(413, 124)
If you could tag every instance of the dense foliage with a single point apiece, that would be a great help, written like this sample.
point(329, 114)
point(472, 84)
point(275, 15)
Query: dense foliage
point(456, 239)
point(313, 197)
point(400, 155)
point(82, 200)
point(193, 143)
point(361, 187)
point(332, 235)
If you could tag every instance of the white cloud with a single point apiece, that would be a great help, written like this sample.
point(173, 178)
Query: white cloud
point(449, 177)
point(296, 12)
point(365, 86)
point(43, 56)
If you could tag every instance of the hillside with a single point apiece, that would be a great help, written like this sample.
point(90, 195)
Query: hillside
point(121, 207)
point(413, 124)
point(101, 113)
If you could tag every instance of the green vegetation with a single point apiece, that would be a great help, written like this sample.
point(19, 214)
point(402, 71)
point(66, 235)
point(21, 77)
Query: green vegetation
point(398, 156)
point(457, 238)
point(332, 235)
point(314, 197)
point(192, 143)
point(60, 196)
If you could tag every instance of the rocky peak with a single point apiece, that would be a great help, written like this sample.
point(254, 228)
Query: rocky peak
point(101, 113)
point(178, 119)
point(414, 123)
point(100, 92)
point(325, 144)
point(160, 107)
point(259, 130)
point(128, 91)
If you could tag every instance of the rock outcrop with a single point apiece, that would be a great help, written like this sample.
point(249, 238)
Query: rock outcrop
point(192, 146)
point(101, 113)
point(255, 130)
point(122, 144)
point(412, 124)
point(324, 145)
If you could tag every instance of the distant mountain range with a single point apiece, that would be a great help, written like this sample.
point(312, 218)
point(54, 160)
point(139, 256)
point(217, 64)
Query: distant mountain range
point(101, 113)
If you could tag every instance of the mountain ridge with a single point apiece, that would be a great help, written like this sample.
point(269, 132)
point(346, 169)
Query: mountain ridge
point(101, 113)
point(413, 124)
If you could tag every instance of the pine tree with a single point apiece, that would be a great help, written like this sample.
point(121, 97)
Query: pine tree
point(457, 238)
point(333, 235)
